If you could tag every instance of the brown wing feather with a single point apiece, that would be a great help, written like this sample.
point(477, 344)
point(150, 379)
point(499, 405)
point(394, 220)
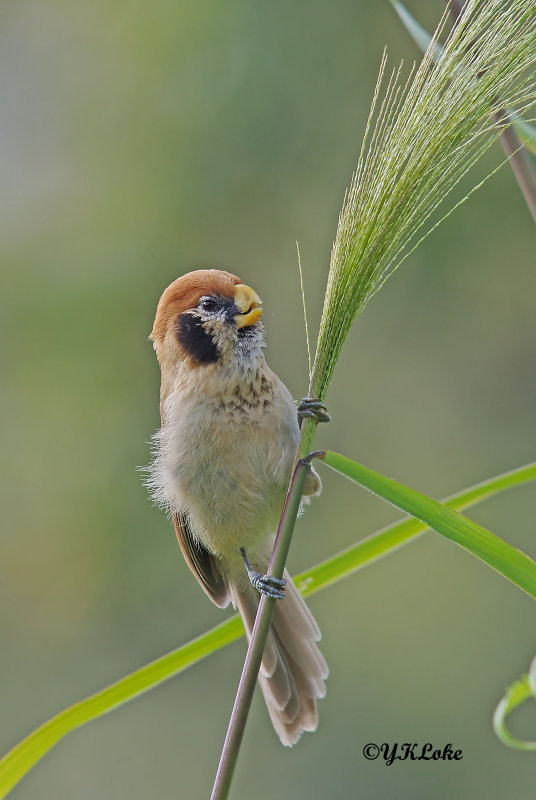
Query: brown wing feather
point(203, 565)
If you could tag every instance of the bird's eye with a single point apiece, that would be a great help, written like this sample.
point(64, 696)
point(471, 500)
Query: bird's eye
point(208, 304)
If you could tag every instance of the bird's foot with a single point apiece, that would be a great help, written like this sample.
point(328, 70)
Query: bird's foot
point(265, 584)
point(268, 585)
point(312, 409)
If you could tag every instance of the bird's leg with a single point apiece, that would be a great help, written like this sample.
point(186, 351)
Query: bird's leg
point(314, 409)
point(265, 584)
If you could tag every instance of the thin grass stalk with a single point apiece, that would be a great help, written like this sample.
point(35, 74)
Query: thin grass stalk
point(519, 160)
point(518, 156)
point(525, 131)
point(257, 643)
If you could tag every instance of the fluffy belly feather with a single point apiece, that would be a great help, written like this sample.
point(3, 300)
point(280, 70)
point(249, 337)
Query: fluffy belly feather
point(227, 472)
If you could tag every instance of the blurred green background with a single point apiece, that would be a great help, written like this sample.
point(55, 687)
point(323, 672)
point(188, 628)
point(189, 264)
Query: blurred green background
point(141, 140)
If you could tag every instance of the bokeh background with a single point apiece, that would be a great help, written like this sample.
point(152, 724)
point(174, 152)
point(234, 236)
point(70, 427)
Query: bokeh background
point(141, 140)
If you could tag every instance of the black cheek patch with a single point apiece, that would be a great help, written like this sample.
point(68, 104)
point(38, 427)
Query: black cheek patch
point(194, 339)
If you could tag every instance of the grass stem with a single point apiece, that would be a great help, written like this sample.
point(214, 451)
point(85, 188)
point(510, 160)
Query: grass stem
point(518, 156)
point(257, 643)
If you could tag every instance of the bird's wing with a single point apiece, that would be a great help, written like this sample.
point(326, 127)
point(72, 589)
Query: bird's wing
point(202, 563)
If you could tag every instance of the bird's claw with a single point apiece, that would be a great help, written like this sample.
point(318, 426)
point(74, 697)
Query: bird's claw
point(312, 409)
point(268, 585)
point(265, 584)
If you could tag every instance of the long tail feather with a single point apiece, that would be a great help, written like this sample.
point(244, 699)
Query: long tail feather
point(293, 670)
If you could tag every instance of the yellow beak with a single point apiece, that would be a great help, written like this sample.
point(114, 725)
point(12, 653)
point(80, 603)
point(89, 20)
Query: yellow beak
point(247, 301)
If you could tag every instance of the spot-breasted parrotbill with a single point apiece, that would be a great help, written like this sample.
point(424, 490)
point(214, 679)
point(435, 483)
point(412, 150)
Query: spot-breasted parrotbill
point(222, 463)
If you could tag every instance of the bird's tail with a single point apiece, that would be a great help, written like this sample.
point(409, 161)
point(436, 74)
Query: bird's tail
point(293, 669)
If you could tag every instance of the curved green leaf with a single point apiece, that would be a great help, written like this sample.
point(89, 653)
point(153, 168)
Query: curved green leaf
point(515, 695)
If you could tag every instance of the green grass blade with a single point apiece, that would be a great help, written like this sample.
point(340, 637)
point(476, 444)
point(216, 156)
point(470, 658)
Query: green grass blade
point(23, 756)
point(420, 35)
point(27, 753)
point(396, 535)
point(505, 559)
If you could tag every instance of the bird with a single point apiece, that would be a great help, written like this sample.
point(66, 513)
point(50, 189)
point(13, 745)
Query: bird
point(221, 465)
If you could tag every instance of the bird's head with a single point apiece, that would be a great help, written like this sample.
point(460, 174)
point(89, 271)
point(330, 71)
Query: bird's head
point(208, 317)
